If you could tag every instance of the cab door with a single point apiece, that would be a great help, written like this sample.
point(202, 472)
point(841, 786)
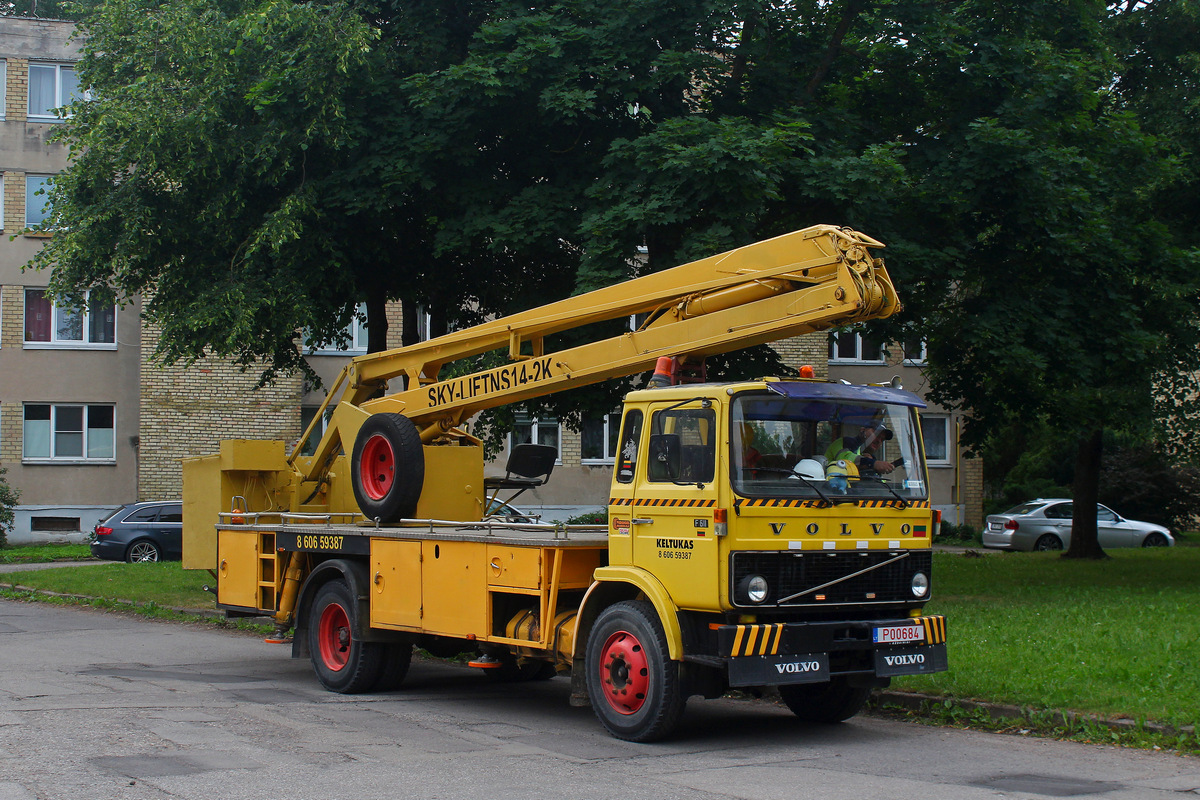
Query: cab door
point(675, 495)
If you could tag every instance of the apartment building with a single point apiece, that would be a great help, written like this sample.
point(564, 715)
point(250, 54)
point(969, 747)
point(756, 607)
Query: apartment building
point(68, 378)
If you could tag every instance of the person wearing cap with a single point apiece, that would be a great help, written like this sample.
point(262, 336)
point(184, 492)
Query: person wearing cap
point(861, 450)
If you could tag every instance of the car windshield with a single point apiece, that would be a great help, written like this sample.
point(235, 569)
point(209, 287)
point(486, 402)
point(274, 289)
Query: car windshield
point(113, 515)
point(821, 448)
point(1024, 508)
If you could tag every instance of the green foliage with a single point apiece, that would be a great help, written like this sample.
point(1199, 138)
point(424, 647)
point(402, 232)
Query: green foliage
point(960, 534)
point(589, 518)
point(8, 501)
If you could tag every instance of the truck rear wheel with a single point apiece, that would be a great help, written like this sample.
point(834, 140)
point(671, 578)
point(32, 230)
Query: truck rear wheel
point(343, 663)
point(825, 702)
point(387, 467)
point(632, 682)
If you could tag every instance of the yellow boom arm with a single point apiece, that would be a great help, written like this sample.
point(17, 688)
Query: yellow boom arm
point(804, 281)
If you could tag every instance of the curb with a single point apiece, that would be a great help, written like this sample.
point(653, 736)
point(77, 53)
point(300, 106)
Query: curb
point(920, 703)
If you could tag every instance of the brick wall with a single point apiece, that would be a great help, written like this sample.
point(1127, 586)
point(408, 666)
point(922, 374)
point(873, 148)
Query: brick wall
point(971, 478)
point(12, 316)
point(10, 434)
point(16, 95)
point(187, 411)
point(811, 349)
point(14, 201)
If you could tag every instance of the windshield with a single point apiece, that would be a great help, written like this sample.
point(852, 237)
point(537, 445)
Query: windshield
point(835, 449)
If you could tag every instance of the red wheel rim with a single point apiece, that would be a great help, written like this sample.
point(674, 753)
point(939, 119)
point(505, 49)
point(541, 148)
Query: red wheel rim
point(377, 469)
point(333, 634)
point(624, 672)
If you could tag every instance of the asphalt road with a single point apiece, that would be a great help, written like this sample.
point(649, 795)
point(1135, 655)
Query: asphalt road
point(97, 705)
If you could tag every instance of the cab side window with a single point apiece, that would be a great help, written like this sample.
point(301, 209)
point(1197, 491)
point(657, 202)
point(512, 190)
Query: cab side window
point(631, 435)
point(695, 432)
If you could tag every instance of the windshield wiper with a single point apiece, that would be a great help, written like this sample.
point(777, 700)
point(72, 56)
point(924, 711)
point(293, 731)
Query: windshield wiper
point(887, 486)
point(792, 474)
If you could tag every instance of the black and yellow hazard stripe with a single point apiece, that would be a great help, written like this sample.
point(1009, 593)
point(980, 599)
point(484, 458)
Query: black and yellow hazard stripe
point(778, 502)
point(757, 640)
point(935, 628)
point(661, 502)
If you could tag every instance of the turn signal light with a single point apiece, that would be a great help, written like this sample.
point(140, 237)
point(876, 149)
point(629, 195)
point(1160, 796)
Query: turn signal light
point(102, 531)
point(721, 521)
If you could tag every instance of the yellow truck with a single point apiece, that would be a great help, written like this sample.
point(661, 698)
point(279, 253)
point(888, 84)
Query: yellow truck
point(761, 533)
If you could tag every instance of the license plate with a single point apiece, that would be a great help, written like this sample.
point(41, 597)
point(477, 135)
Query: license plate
point(899, 634)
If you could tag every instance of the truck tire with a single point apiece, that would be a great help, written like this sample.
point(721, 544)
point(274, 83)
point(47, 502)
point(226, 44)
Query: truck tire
point(825, 702)
point(632, 682)
point(342, 663)
point(397, 657)
point(387, 467)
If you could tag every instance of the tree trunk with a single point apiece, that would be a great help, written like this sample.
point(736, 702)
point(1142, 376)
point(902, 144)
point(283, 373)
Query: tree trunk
point(1085, 542)
point(377, 323)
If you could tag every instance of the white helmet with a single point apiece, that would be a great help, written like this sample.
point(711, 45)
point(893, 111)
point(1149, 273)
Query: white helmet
point(810, 468)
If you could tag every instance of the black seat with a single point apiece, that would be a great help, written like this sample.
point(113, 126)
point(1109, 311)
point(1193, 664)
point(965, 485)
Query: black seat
point(529, 465)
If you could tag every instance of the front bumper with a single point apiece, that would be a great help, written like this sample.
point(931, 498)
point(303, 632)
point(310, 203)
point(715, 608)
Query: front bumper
point(766, 654)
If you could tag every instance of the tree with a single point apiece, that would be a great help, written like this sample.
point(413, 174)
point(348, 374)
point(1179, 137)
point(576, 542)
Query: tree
point(8, 500)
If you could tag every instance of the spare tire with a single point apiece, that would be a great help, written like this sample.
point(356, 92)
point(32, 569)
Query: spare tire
point(387, 467)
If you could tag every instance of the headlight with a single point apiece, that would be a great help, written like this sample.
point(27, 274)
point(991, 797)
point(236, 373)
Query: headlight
point(754, 587)
point(920, 584)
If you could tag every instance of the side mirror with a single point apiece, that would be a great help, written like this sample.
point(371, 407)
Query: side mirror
point(664, 457)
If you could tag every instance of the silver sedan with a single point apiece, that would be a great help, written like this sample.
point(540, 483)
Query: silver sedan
point(1046, 525)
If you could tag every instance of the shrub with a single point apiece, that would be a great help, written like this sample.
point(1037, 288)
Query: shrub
point(589, 518)
point(956, 534)
point(8, 499)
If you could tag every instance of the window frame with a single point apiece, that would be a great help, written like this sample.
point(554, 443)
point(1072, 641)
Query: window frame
point(55, 432)
point(914, 360)
point(60, 101)
point(947, 439)
point(860, 341)
point(355, 332)
point(522, 418)
point(610, 434)
point(54, 343)
point(49, 212)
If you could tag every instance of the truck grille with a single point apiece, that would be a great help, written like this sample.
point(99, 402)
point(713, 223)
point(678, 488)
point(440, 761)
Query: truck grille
point(792, 573)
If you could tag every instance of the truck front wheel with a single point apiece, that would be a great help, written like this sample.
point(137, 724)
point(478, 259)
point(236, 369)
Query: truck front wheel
point(825, 702)
point(387, 467)
point(632, 682)
point(341, 661)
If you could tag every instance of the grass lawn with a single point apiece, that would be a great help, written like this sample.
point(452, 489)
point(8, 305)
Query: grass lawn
point(39, 553)
point(1119, 637)
point(164, 584)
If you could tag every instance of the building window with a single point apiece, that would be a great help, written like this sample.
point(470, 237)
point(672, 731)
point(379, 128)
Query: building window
point(599, 439)
point(935, 430)
point(47, 325)
point(354, 335)
point(853, 347)
point(535, 430)
point(68, 433)
point(3, 87)
point(37, 200)
point(307, 415)
point(51, 86)
point(914, 351)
